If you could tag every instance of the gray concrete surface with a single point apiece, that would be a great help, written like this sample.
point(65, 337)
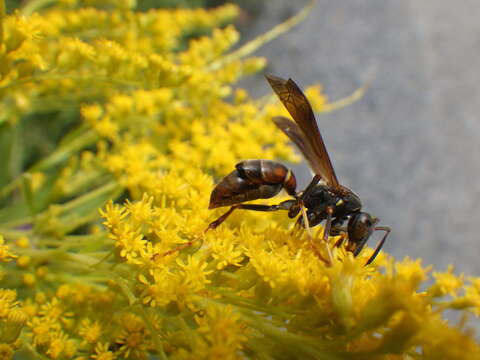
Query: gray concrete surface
point(411, 147)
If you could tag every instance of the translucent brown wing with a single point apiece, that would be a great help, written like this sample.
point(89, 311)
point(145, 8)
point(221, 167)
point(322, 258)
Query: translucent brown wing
point(299, 108)
point(293, 131)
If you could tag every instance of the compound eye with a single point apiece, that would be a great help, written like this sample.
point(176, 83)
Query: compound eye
point(367, 220)
point(360, 228)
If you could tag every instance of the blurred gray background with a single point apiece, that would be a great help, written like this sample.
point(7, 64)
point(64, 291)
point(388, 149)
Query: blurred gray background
point(410, 147)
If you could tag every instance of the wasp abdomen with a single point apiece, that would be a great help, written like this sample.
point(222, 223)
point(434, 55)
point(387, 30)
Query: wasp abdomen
point(268, 172)
point(235, 188)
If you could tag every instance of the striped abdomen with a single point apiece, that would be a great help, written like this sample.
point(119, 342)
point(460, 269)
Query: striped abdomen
point(251, 180)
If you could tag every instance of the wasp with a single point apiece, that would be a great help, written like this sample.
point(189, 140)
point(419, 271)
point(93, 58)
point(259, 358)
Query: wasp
point(324, 199)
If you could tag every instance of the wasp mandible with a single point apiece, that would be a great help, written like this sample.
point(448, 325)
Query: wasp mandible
point(323, 199)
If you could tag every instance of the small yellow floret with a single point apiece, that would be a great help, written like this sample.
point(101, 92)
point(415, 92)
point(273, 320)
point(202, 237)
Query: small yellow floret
point(5, 254)
point(23, 260)
point(29, 280)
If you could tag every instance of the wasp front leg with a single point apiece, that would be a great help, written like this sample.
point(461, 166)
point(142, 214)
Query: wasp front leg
point(306, 224)
point(380, 243)
point(326, 232)
point(339, 228)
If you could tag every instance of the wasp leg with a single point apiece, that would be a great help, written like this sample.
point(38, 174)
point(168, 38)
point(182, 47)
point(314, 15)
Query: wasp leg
point(380, 244)
point(285, 205)
point(296, 229)
point(180, 247)
point(339, 228)
point(306, 224)
point(326, 232)
point(340, 241)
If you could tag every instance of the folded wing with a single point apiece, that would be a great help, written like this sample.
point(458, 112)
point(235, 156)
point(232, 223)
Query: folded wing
point(304, 131)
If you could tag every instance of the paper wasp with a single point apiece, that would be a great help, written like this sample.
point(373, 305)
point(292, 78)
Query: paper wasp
point(323, 199)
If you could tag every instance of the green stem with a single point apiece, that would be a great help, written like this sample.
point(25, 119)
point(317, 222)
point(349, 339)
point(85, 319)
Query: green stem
point(55, 74)
point(228, 298)
point(14, 234)
point(63, 153)
point(153, 332)
point(111, 188)
point(295, 343)
point(35, 5)
point(60, 154)
point(68, 263)
point(104, 259)
point(2, 18)
point(74, 240)
point(26, 345)
point(123, 285)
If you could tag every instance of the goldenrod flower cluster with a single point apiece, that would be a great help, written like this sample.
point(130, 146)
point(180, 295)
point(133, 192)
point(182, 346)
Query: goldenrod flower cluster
point(103, 253)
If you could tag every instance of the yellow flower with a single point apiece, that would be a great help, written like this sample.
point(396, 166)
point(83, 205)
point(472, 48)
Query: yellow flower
point(106, 128)
point(444, 342)
point(55, 311)
point(130, 242)
point(446, 283)
point(412, 272)
point(13, 325)
point(163, 290)
point(74, 53)
point(133, 338)
point(270, 267)
point(7, 301)
point(140, 212)
point(90, 331)
point(91, 113)
point(5, 254)
point(102, 352)
point(29, 280)
point(226, 253)
point(60, 346)
point(194, 273)
point(23, 242)
point(6, 351)
point(12, 318)
point(223, 331)
point(470, 300)
point(43, 329)
point(113, 215)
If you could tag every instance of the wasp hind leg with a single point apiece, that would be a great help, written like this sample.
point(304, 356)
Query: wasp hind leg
point(285, 205)
point(181, 247)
